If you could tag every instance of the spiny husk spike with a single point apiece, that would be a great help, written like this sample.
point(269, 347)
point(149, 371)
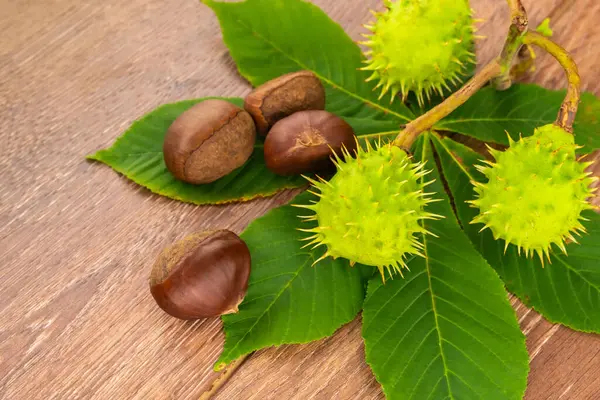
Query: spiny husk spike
point(317, 245)
point(308, 217)
point(324, 256)
point(418, 253)
point(433, 201)
point(312, 181)
point(540, 254)
point(562, 247)
point(315, 241)
point(506, 243)
point(325, 181)
point(572, 238)
point(484, 228)
point(432, 216)
point(430, 233)
point(313, 237)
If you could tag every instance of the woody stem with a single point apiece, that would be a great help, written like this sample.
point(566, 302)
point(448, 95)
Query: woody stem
point(499, 68)
point(568, 108)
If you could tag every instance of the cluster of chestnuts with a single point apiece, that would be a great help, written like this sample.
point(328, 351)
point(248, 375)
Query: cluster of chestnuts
point(215, 137)
point(206, 274)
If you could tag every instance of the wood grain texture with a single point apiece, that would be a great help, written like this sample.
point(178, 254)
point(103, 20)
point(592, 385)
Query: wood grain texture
point(77, 241)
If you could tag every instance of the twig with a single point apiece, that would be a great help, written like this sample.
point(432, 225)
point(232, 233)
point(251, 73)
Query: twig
point(513, 43)
point(412, 130)
point(568, 109)
point(223, 378)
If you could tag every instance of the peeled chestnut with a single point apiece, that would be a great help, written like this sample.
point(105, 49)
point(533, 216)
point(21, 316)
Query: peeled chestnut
point(204, 275)
point(208, 141)
point(305, 141)
point(283, 96)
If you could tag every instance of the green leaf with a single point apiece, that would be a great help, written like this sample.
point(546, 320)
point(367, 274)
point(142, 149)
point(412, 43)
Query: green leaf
point(303, 37)
point(288, 299)
point(137, 154)
point(445, 330)
point(519, 110)
point(544, 28)
point(567, 291)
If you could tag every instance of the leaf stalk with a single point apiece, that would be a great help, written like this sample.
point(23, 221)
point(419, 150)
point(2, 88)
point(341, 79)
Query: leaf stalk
point(512, 45)
point(568, 108)
point(413, 129)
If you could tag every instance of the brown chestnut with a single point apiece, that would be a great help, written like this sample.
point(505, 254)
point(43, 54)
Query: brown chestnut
point(303, 142)
point(204, 275)
point(208, 141)
point(283, 96)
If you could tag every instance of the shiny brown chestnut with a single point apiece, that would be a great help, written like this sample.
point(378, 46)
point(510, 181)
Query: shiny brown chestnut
point(283, 96)
point(204, 275)
point(208, 141)
point(303, 142)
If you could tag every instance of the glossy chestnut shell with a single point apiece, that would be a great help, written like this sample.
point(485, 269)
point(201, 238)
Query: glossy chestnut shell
point(305, 141)
point(204, 275)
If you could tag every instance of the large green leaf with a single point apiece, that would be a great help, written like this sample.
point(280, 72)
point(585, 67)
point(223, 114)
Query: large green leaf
point(566, 291)
point(447, 329)
point(519, 110)
point(288, 299)
point(137, 154)
point(302, 37)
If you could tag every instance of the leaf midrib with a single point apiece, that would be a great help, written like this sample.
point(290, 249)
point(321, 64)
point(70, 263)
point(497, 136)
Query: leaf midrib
point(435, 317)
point(447, 122)
point(434, 307)
point(327, 80)
point(278, 295)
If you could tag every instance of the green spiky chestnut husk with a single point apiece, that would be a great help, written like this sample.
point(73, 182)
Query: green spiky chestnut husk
point(371, 211)
point(419, 46)
point(535, 192)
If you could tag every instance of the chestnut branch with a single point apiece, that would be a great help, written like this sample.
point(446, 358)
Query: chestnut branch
point(223, 378)
point(498, 68)
point(568, 108)
point(513, 43)
point(413, 129)
point(499, 71)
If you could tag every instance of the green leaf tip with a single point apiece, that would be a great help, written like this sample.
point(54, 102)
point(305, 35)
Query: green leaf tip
point(544, 28)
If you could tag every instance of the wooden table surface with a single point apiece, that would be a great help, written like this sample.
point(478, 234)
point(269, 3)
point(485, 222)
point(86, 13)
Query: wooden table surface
point(77, 240)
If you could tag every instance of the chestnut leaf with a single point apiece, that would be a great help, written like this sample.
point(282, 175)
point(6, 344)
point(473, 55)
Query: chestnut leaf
point(138, 154)
point(565, 291)
point(289, 300)
point(445, 330)
point(490, 113)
